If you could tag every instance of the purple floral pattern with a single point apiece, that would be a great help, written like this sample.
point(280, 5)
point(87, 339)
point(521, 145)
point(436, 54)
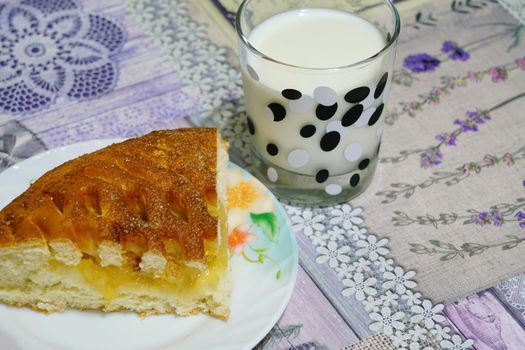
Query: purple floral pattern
point(92, 128)
point(433, 156)
point(449, 83)
point(520, 217)
point(51, 48)
point(487, 218)
point(449, 178)
point(498, 74)
point(497, 215)
point(421, 62)
point(471, 122)
point(454, 51)
point(494, 217)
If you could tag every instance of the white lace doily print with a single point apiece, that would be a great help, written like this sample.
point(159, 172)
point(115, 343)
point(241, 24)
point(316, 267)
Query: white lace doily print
point(53, 48)
point(341, 239)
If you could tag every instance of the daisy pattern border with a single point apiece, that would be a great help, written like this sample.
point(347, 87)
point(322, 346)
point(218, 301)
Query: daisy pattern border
point(204, 69)
point(206, 73)
point(386, 290)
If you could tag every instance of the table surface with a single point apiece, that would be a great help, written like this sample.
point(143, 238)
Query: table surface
point(168, 64)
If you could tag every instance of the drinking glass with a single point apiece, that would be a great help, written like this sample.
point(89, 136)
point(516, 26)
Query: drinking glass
point(315, 128)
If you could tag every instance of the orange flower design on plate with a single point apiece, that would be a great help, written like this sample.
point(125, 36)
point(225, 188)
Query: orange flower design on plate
point(239, 238)
point(251, 217)
point(242, 195)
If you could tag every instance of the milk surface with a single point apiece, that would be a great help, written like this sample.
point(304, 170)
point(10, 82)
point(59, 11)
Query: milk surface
point(317, 38)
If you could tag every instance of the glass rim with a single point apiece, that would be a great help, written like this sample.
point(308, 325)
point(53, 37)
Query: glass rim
point(386, 47)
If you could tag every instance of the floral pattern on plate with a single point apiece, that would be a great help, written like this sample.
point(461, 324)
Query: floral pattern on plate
point(257, 302)
point(253, 225)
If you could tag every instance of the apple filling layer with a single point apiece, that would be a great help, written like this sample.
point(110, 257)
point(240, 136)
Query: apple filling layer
point(52, 285)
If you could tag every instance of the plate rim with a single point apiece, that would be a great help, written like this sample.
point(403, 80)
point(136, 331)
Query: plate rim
point(101, 143)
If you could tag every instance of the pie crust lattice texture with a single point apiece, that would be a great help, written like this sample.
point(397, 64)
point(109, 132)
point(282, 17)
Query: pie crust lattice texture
point(142, 219)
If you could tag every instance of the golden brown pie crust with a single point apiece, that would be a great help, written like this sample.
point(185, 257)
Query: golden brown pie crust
point(141, 194)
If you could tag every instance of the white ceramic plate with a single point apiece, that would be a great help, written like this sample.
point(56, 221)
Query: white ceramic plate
point(260, 290)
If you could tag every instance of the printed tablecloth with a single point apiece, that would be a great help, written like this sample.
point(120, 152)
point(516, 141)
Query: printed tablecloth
point(443, 218)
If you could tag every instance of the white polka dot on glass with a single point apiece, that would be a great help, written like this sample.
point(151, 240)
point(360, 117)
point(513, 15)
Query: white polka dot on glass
point(333, 189)
point(337, 126)
point(298, 158)
point(272, 174)
point(301, 105)
point(325, 95)
point(353, 152)
point(368, 100)
point(365, 117)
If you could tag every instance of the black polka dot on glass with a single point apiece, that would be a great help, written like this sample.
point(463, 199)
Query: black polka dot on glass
point(375, 117)
point(278, 111)
point(330, 140)
point(357, 95)
point(354, 180)
point(364, 164)
point(381, 85)
point(308, 131)
point(322, 176)
point(352, 115)
point(325, 112)
point(251, 126)
point(272, 149)
point(291, 94)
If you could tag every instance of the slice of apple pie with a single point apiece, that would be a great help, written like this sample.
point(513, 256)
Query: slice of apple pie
point(139, 225)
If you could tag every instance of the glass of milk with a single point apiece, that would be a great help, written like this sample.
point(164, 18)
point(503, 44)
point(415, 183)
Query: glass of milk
point(316, 79)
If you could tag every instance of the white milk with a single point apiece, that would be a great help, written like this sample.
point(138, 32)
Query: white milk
point(316, 42)
point(315, 38)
